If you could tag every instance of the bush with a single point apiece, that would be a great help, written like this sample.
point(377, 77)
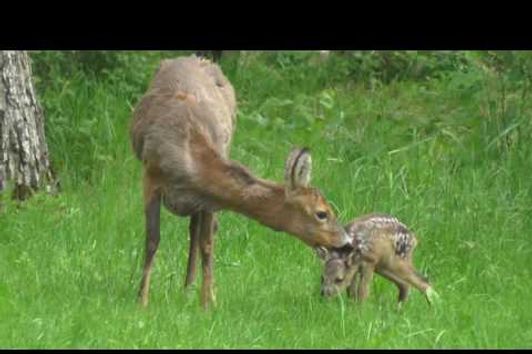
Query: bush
point(88, 96)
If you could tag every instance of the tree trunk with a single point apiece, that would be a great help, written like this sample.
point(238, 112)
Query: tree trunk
point(23, 149)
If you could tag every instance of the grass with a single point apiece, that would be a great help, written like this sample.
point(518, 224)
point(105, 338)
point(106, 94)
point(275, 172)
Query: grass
point(430, 153)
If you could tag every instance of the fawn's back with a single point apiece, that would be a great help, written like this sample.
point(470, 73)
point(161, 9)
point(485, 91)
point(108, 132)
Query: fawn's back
point(378, 237)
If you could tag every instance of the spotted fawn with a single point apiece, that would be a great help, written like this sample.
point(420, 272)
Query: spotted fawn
point(381, 244)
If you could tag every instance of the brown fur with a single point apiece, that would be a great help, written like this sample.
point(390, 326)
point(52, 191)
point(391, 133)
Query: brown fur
point(182, 130)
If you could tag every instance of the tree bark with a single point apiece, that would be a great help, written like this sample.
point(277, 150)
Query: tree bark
point(23, 150)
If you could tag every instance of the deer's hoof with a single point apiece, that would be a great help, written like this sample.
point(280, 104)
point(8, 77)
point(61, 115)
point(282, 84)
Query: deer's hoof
point(208, 299)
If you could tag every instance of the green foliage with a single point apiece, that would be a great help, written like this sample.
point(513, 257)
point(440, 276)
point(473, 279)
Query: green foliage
point(88, 97)
point(439, 139)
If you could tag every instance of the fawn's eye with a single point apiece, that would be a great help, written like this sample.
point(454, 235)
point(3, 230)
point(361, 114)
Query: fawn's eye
point(338, 280)
point(321, 215)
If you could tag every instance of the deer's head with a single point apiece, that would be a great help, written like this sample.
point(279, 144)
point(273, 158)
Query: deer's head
point(311, 217)
point(337, 271)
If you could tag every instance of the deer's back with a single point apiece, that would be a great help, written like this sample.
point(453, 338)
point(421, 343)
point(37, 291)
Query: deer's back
point(186, 94)
point(187, 98)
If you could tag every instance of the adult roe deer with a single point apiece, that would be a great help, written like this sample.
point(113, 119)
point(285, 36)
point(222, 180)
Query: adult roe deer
point(181, 131)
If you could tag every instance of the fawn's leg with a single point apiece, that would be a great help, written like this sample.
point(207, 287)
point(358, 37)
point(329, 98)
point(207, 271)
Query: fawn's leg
point(403, 287)
point(194, 232)
point(406, 272)
point(152, 212)
point(207, 251)
point(366, 275)
point(352, 289)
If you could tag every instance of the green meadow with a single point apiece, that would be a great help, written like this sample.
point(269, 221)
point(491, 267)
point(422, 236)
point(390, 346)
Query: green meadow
point(441, 140)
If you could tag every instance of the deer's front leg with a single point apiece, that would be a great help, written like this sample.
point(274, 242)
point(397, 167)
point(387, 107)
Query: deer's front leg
point(207, 230)
point(152, 211)
point(194, 232)
point(352, 289)
point(366, 275)
point(402, 286)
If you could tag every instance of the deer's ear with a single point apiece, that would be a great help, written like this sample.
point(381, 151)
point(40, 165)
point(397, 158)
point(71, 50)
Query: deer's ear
point(322, 253)
point(298, 169)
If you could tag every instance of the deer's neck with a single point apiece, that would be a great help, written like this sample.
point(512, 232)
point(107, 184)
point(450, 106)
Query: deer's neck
point(234, 187)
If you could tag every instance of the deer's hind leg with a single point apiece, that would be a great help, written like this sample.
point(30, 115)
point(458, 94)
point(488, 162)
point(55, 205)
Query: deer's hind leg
point(403, 287)
point(404, 270)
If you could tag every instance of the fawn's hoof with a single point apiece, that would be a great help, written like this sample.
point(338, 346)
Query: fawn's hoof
point(432, 296)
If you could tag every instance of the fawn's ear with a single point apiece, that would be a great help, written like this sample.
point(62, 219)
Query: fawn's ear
point(298, 169)
point(347, 253)
point(322, 253)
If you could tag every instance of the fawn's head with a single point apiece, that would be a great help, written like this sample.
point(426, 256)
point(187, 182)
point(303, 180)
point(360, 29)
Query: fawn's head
point(337, 271)
point(311, 217)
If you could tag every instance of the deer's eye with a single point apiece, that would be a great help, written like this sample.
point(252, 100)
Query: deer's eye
point(321, 215)
point(338, 280)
